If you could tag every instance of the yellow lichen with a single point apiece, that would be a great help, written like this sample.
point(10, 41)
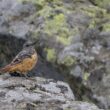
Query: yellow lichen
point(51, 54)
point(106, 27)
point(92, 10)
point(101, 3)
point(63, 36)
point(68, 61)
point(45, 12)
point(86, 76)
point(64, 41)
point(40, 2)
point(53, 25)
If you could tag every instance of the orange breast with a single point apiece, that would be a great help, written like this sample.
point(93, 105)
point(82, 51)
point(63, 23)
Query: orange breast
point(26, 65)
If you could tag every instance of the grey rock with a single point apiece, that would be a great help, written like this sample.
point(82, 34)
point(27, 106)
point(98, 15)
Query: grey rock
point(77, 19)
point(82, 106)
point(38, 93)
point(20, 29)
point(102, 102)
point(76, 51)
point(96, 49)
point(106, 38)
point(73, 50)
point(14, 23)
point(76, 39)
point(77, 72)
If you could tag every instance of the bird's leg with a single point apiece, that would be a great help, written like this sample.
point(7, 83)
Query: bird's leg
point(26, 76)
point(14, 74)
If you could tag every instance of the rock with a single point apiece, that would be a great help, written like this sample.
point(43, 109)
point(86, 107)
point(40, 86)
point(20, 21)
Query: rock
point(38, 94)
point(106, 38)
point(82, 106)
point(11, 22)
point(78, 19)
point(77, 72)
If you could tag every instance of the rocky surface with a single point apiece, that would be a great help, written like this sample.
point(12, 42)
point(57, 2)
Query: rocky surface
point(17, 93)
point(73, 42)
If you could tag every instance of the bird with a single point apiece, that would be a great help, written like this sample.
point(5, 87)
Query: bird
point(24, 61)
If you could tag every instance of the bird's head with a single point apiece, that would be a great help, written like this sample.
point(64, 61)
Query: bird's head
point(29, 44)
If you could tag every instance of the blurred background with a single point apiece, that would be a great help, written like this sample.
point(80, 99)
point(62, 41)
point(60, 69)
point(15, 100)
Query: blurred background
point(73, 42)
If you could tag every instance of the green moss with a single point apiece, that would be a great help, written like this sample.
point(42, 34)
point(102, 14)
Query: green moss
point(51, 54)
point(68, 61)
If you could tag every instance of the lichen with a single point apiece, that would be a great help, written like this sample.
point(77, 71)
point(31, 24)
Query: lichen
point(51, 54)
point(46, 12)
point(52, 26)
point(63, 36)
point(86, 76)
point(106, 27)
point(64, 41)
point(96, 14)
point(92, 11)
point(68, 61)
point(101, 3)
point(40, 2)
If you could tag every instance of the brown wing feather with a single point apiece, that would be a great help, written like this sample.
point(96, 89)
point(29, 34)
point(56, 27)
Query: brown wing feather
point(5, 69)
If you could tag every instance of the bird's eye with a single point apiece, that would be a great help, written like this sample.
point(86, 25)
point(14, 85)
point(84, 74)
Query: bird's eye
point(27, 45)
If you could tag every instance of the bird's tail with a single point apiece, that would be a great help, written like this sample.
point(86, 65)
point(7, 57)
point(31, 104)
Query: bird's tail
point(5, 69)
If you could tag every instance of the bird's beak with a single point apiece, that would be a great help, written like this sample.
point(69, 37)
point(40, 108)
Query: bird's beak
point(33, 43)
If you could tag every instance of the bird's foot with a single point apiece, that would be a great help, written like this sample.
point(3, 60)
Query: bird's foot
point(15, 74)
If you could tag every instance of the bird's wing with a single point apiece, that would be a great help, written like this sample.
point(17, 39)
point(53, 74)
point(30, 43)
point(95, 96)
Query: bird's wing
point(22, 55)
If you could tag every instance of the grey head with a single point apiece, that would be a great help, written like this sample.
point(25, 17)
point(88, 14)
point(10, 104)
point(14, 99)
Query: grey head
point(29, 44)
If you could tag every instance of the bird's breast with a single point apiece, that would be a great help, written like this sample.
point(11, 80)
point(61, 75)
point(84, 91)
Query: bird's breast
point(26, 65)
